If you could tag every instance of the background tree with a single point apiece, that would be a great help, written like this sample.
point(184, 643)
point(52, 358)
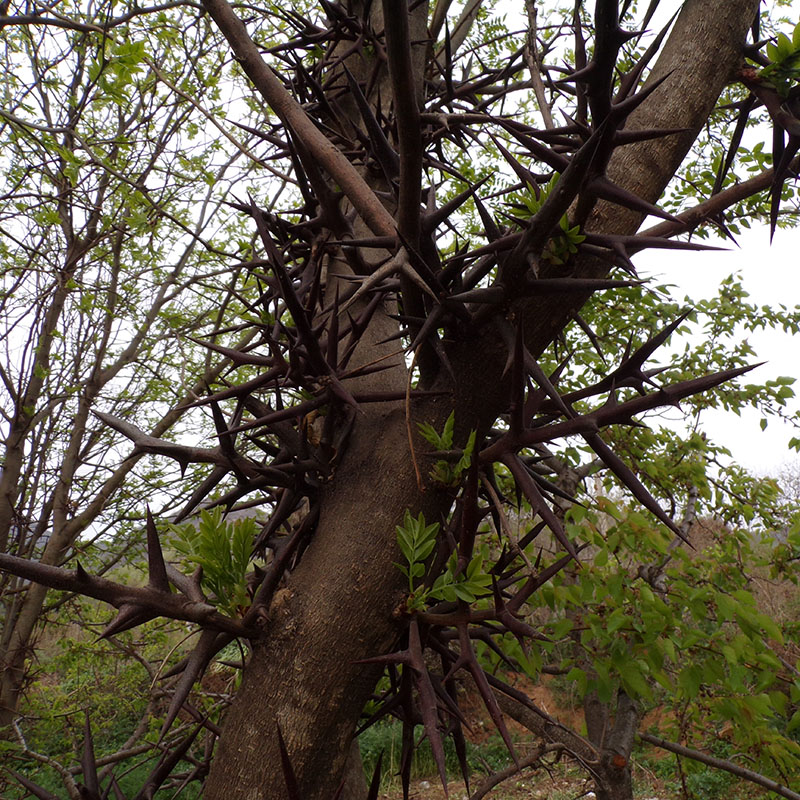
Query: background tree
point(381, 114)
point(108, 254)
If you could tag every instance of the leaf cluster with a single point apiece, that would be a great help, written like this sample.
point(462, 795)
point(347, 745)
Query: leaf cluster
point(222, 549)
point(447, 473)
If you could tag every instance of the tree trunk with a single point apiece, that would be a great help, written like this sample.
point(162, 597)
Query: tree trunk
point(340, 604)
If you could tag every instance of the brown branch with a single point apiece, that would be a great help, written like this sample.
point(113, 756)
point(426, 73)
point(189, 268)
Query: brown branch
point(72, 25)
point(532, 59)
point(150, 601)
point(546, 727)
point(609, 414)
point(150, 444)
point(497, 778)
point(292, 115)
point(54, 22)
point(716, 204)
point(721, 763)
point(464, 25)
point(439, 16)
point(69, 781)
point(401, 75)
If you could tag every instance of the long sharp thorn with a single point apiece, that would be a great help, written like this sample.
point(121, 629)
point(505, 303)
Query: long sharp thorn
point(375, 783)
point(129, 616)
point(448, 61)
point(289, 777)
point(490, 701)
point(226, 440)
point(156, 568)
point(88, 762)
point(427, 701)
point(633, 484)
point(332, 355)
point(531, 491)
point(489, 225)
point(384, 154)
point(208, 645)
point(779, 178)
point(522, 172)
point(606, 190)
point(165, 766)
point(36, 790)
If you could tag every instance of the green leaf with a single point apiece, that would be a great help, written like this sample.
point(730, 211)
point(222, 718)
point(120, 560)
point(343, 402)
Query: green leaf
point(773, 54)
point(634, 681)
point(785, 48)
point(447, 433)
point(578, 676)
point(463, 593)
point(794, 722)
point(617, 620)
point(428, 433)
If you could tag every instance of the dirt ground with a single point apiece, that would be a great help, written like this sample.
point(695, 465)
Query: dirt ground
point(562, 783)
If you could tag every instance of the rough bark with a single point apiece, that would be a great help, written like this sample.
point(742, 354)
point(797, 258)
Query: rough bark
point(614, 779)
point(339, 605)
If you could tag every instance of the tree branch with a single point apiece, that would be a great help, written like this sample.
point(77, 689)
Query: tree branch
point(401, 75)
point(292, 115)
point(720, 763)
point(716, 204)
point(153, 602)
point(497, 778)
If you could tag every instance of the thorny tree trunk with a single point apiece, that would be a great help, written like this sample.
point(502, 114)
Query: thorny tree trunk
point(289, 680)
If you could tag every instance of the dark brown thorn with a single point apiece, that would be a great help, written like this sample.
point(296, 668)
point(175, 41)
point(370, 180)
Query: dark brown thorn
point(130, 615)
point(165, 766)
point(489, 225)
point(36, 790)
point(523, 173)
point(201, 493)
point(490, 701)
point(631, 482)
point(531, 491)
point(81, 574)
point(208, 645)
point(292, 788)
point(88, 762)
point(603, 188)
point(238, 357)
point(628, 81)
point(518, 384)
point(382, 151)
point(156, 568)
point(427, 700)
point(437, 216)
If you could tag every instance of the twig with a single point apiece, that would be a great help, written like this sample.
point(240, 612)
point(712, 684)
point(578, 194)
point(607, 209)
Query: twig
point(532, 59)
point(512, 769)
point(69, 781)
point(721, 763)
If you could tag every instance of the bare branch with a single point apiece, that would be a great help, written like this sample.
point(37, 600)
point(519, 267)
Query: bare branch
point(721, 763)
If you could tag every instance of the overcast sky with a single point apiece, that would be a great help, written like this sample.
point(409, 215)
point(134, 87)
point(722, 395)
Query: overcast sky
point(771, 274)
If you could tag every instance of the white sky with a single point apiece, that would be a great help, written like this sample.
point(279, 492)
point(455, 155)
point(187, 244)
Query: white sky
point(771, 275)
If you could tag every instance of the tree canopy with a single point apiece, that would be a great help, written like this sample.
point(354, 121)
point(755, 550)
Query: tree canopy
point(366, 273)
